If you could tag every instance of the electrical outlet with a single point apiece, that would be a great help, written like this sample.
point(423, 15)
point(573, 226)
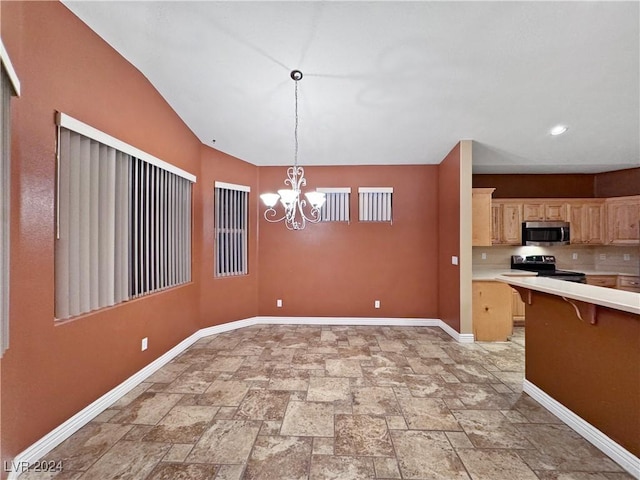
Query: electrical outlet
point(144, 344)
point(574, 255)
point(376, 304)
point(454, 260)
point(484, 256)
point(626, 257)
point(603, 256)
point(279, 302)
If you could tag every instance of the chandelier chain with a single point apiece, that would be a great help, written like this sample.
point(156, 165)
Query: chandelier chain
point(295, 158)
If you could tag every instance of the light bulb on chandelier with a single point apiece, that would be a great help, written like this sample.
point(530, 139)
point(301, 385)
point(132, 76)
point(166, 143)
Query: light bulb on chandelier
point(293, 204)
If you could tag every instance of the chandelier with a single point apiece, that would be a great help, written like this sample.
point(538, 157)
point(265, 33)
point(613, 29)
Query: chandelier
point(293, 203)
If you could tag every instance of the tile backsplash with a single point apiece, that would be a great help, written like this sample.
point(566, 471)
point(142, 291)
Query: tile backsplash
point(589, 258)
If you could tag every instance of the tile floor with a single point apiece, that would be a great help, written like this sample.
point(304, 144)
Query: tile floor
point(310, 402)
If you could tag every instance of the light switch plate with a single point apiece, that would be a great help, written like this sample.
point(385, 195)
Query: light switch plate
point(454, 260)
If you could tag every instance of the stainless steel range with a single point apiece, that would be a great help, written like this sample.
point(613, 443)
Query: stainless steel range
point(545, 266)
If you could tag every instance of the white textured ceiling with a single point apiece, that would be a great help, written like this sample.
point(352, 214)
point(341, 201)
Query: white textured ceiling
point(394, 82)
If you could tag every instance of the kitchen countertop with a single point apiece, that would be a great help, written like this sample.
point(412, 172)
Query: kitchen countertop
point(606, 297)
point(490, 274)
point(608, 272)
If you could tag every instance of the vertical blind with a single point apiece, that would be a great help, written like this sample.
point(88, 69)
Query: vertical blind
point(231, 229)
point(161, 228)
point(375, 204)
point(7, 89)
point(336, 205)
point(124, 226)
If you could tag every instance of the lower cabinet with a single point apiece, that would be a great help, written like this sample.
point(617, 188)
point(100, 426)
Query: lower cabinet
point(610, 281)
point(492, 319)
point(630, 283)
point(517, 308)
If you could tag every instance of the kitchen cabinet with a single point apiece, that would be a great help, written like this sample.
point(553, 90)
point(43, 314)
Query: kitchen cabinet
point(610, 281)
point(587, 219)
point(610, 221)
point(631, 283)
point(496, 223)
point(517, 308)
point(507, 221)
point(491, 311)
point(623, 220)
point(538, 211)
point(481, 216)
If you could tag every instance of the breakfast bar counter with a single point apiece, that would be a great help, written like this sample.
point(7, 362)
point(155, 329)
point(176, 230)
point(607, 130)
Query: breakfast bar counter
point(582, 360)
point(605, 297)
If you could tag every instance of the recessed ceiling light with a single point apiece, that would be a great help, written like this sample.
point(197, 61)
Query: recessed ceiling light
point(558, 130)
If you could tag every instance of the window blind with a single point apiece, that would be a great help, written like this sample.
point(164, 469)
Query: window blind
point(124, 226)
point(375, 204)
point(9, 86)
point(336, 206)
point(231, 229)
point(160, 229)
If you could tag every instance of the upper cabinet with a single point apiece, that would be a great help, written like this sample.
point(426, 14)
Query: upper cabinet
point(481, 216)
point(594, 221)
point(623, 220)
point(506, 220)
point(554, 211)
point(587, 220)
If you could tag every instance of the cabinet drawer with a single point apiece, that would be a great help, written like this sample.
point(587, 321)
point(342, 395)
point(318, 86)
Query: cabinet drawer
point(602, 280)
point(628, 282)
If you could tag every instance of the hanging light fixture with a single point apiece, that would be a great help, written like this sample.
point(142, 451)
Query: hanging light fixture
point(294, 216)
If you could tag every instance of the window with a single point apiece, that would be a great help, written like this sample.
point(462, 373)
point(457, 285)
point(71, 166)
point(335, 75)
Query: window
point(231, 229)
point(375, 204)
point(123, 222)
point(9, 86)
point(336, 205)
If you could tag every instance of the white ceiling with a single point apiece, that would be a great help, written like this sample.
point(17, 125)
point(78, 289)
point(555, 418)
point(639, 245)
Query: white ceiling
point(394, 82)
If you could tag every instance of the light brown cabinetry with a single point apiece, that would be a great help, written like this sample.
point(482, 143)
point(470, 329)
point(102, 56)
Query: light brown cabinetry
point(587, 219)
point(517, 308)
point(506, 222)
point(481, 217)
point(496, 223)
point(630, 283)
point(544, 211)
point(492, 321)
point(623, 220)
point(603, 280)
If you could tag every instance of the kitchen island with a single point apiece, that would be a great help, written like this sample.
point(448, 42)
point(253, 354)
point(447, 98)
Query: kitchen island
point(582, 360)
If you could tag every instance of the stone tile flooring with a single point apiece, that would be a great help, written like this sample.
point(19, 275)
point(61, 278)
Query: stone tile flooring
point(310, 402)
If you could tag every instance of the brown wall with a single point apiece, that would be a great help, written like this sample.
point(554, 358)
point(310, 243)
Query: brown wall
point(51, 371)
point(591, 369)
point(449, 238)
point(618, 183)
point(338, 269)
point(537, 186)
point(225, 299)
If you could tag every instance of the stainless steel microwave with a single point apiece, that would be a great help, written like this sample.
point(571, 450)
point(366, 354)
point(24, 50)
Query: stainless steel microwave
point(545, 234)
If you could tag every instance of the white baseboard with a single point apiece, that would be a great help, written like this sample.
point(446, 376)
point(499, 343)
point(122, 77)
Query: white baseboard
point(54, 438)
point(357, 321)
point(459, 337)
point(602, 442)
